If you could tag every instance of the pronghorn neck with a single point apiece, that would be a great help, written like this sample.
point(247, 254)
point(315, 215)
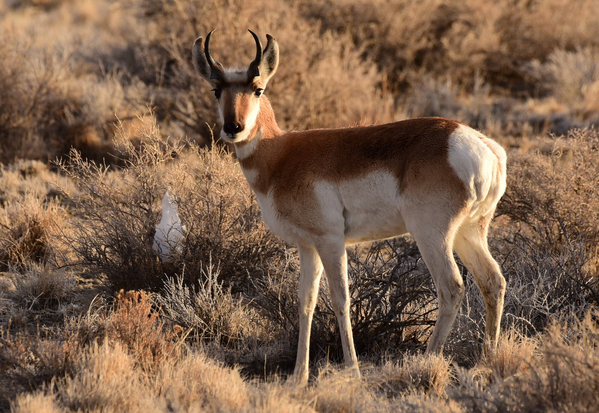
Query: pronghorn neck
point(266, 120)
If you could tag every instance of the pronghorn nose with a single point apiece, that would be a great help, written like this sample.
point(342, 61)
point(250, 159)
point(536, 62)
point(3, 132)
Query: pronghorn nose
point(232, 128)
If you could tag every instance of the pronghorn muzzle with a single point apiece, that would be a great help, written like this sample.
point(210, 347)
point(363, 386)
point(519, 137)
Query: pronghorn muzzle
point(233, 128)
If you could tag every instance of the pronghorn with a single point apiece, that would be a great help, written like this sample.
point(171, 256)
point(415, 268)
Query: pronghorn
point(436, 179)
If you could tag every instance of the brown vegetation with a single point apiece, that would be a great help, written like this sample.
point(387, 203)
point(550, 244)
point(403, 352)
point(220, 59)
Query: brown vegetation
point(92, 320)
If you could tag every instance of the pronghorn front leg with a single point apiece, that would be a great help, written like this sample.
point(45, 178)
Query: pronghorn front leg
point(334, 258)
point(310, 272)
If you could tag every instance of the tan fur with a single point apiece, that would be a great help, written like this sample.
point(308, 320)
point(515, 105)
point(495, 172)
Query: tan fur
point(322, 189)
point(415, 151)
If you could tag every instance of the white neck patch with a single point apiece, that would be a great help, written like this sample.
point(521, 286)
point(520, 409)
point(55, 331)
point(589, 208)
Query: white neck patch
point(245, 149)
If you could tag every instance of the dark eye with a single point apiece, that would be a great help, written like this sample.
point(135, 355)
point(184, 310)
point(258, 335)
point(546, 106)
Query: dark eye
point(258, 92)
point(217, 92)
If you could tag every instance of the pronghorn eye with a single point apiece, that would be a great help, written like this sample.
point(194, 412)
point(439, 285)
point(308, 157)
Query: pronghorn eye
point(258, 92)
point(217, 92)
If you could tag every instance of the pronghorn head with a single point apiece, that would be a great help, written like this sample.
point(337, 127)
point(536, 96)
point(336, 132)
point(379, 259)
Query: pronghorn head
point(238, 91)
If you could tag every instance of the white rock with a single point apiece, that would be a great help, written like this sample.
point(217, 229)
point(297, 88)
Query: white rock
point(168, 239)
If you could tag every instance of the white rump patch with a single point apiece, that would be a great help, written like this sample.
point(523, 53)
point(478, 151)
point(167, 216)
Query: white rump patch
point(476, 164)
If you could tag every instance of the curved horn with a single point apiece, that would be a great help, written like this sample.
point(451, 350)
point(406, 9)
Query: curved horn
point(256, 63)
point(215, 67)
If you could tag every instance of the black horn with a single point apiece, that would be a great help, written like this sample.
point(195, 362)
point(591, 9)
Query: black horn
point(215, 67)
point(255, 65)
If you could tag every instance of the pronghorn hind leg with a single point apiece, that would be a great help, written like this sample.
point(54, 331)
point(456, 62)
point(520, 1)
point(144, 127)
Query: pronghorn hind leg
point(310, 273)
point(435, 244)
point(471, 246)
point(450, 290)
point(334, 259)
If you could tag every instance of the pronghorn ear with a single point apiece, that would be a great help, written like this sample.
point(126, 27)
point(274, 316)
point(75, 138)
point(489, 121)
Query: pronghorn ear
point(266, 62)
point(270, 59)
point(199, 60)
point(208, 68)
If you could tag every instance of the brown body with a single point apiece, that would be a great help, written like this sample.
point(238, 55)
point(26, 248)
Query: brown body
point(323, 189)
point(399, 147)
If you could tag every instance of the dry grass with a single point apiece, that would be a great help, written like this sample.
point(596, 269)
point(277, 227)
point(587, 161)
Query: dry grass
point(210, 311)
point(560, 376)
point(216, 328)
point(27, 231)
point(132, 366)
point(419, 374)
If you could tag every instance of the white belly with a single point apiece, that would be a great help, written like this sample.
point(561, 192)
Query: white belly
point(361, 209)
point(372, 208)
point(285, 227)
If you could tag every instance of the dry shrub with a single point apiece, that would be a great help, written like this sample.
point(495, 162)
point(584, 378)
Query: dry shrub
point(44, 112)
point(552, 204)
point(272, 348)
point(276, 396)
point(30, 177)
point(105, 377)
point(459, 38)
point(33, 348)
point(544, 284)
point(45, 4)
point(34, 359)
point(43, 289)
point(210, 312)
point(477, 62)
point(27, 228)
point(131, 326)
point(26, 241)
point(57, 94)
point(397, 45)
point(119, 209)
point(418, 385)
point(393, 298)
point(568, 374)
point(435, 98)
point(70, 67)
point(562, 376)
point(338, 391)
point(327, 84)
point(573, 79)
point(135, 324)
